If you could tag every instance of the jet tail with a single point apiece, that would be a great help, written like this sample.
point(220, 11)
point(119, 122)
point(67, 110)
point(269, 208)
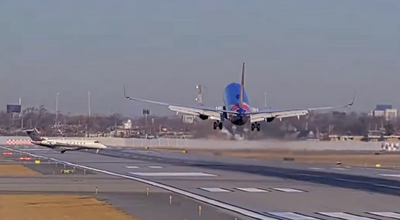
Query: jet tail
point(242, 88)
point(34, 135)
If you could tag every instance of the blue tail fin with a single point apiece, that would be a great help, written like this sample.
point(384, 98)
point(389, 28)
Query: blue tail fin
point(242, 88)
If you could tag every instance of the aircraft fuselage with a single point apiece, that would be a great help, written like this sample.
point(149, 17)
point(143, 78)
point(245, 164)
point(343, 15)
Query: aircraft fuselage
point(231, 103)
point(70, 145)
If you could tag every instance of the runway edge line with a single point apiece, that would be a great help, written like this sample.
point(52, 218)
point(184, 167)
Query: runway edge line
point(162, 186)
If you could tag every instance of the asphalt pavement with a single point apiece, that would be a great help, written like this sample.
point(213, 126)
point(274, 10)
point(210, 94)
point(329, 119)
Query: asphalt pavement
point(279, 190)
point(137, 199)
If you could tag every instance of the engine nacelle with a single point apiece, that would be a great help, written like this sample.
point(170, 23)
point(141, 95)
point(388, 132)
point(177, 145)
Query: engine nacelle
point(203, 117)
point(270, 119)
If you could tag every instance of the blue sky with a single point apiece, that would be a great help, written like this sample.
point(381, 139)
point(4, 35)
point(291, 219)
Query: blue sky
point(304, 53)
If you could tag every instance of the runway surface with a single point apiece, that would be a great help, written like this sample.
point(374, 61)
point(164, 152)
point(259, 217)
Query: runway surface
point(266, 190)
point(137, 199)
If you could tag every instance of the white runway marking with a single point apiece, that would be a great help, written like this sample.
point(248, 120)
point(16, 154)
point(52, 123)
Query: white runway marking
point(291, 216)
point(387, 186)
point(131, 167)
point(255, 190)
point(345, 216)
point(289, 190)
point(172, 174)
point(386, 214)
point(215, 190)
point(315, 168)
point(155, 167)
point(390, 175)
point(338, 168)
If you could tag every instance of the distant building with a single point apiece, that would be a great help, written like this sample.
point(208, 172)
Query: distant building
point(378, 113)
point(386, 111)
point(390, 114)
point(383, 107)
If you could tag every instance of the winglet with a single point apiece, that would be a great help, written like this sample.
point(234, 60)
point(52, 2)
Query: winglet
point(125, 93)
point(354, 98)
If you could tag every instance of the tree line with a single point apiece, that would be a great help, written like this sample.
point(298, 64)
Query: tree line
point(333, 123)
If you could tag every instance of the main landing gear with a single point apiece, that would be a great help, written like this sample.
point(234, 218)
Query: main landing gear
point(218, 124)
point(255, 125)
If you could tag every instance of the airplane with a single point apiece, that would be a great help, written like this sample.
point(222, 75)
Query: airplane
point(63, 144)
point(236, 108)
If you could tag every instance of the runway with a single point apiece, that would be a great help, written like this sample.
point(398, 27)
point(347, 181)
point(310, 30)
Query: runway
point(266, 190)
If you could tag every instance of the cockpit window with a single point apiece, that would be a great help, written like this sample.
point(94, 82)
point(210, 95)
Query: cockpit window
point(97, 142)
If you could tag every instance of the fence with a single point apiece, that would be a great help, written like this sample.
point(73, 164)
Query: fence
point(218, 144)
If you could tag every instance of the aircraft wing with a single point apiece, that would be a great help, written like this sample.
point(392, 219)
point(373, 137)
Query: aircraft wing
point(212, 113)
point(263, 115)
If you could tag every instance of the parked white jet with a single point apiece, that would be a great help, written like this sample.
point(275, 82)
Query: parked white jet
point(63, 144)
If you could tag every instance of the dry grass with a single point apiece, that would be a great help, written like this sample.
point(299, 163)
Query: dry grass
point(50, 207)
point(17, 170)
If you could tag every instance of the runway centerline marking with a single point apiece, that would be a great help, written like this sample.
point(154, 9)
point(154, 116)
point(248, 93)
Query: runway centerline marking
point(289, 190)
point(162, 186)
point(350, 181)
point(214, 189)
point(387, 186)
point(390, 175)
point(155, 167)
point(252, 190)
point(131, 167)
point(306, 174)
point(316, 168)
point(197, 174)
point(386, 214)
point(291, 216)
point(345, 216)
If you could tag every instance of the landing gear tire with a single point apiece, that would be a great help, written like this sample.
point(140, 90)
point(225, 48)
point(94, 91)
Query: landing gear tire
point(255, 126)
point(63, 151)
point(218, 124)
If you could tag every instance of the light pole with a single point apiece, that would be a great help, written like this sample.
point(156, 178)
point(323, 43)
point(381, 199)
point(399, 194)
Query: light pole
point(265, 99)
point(89, 104)
point(199, 98)
point(57, 95)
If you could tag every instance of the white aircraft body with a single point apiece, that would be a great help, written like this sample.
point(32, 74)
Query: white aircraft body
point(63, 144)
point(236, 108)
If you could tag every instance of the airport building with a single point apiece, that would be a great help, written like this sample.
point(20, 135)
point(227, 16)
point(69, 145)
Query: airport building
point(386, 111)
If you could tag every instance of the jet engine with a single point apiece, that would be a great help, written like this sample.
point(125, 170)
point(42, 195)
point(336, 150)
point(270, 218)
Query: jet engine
point(203, 117)
point(270, 119)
